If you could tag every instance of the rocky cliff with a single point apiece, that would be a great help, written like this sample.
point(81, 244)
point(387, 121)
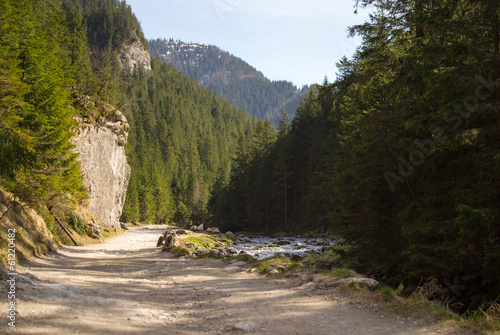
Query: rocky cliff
point(133, 53)
point(104, 166)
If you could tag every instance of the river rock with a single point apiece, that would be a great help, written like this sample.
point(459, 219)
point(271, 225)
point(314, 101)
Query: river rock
point(209, 230)
point(366, 282)
point(232, 251)
point(181, 232)
point(123, 225)
point(194, 228)
point(232, 268)
point(229, 234)
point(201, 228)
point(283, 242)
point(215, 230)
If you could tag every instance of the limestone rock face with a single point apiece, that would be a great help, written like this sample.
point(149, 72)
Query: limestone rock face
point(133, 53)
point(104, 166)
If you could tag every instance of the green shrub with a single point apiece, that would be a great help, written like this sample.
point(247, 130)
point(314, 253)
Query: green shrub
point(76, 223)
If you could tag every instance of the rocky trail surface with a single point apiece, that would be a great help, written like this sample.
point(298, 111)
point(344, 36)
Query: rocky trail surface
point(127, 286)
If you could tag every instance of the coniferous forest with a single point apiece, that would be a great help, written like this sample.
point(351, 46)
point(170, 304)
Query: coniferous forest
point(399, 157)
point(231, 78)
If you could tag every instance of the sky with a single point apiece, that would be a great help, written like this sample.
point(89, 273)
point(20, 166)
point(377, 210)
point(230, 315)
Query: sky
point(294, 40)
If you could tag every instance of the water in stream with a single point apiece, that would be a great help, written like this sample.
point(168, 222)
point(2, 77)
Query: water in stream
point(265, 247)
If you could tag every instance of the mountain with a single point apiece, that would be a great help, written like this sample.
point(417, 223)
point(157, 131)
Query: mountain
point(231, 78)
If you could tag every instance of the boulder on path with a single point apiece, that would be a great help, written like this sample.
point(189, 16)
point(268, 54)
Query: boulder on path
point(366, 282)
point(123, 225)
point(169, 241)
point(161, 239)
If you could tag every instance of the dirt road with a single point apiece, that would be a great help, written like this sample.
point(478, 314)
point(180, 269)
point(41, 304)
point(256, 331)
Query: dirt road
point(127, 286)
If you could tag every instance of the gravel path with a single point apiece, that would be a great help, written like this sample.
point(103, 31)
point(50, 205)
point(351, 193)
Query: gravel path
point(127, 286)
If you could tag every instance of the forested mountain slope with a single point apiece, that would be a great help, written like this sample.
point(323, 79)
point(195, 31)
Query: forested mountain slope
point(182, 136)
point(231, 78)
point(181, 143)
point(58, 64)
point(400, 156)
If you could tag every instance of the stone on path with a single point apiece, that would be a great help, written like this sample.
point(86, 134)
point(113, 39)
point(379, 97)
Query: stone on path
point(366, 282)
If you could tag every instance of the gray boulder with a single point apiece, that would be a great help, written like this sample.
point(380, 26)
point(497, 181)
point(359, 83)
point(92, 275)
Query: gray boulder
point(201, 250)
point(161, 239)
point(169, 242)
point(366, 282)
point(94, 229)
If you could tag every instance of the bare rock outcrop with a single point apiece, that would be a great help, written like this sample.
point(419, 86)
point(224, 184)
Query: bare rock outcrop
point(133, 53)
point(104, 166)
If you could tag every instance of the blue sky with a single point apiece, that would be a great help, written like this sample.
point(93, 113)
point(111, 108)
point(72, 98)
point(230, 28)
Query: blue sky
point(294, 40)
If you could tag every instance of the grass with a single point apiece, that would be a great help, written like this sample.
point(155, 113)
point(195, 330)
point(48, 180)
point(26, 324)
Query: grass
point(207, 241)
point(485, 319)
point(342, 273)
point(282, 264)
point(326, 260)
point(106, 233)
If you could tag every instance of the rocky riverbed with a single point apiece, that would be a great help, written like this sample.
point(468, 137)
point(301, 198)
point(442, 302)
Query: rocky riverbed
point(258, 247)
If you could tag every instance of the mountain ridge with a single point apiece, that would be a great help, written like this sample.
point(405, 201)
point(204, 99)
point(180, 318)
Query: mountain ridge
point(230, 77)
